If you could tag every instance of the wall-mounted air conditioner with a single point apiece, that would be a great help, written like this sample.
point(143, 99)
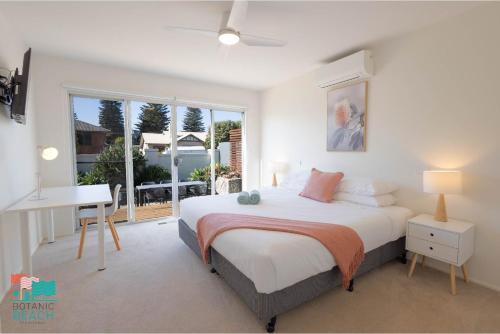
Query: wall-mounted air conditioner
point(355, 67)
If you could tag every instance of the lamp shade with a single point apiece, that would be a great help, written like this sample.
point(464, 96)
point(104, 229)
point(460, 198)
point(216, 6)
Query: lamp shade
point(49, 153)
point(278, 167)
point(442, 182)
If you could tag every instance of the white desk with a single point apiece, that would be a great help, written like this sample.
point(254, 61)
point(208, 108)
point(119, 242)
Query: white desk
point(60, 197)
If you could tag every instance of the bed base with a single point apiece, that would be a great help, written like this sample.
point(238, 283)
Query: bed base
point(351, 285)
point(271, 324)
point(268, 305)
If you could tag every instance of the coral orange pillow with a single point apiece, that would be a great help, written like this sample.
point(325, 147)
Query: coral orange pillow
point(321, 185)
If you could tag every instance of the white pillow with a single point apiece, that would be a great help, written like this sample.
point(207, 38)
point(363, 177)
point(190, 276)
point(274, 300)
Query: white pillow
point(376, 201)
point(365, 186)
point(295, 180)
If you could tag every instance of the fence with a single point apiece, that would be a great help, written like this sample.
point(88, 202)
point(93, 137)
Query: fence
point(85, 162)
point(236, 161)
point(190, 160)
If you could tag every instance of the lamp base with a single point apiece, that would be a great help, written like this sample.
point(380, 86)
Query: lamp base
point(38, 196)
point(440, 214)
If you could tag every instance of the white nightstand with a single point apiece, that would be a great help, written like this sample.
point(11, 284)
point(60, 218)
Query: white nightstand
point(451, 242)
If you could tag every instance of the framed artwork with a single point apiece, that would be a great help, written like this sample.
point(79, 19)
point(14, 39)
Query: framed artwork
point(346, 118)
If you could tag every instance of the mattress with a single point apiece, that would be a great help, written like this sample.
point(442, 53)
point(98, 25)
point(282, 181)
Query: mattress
point(276, 260)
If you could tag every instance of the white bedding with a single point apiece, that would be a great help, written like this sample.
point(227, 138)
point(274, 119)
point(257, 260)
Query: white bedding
point(276, 260)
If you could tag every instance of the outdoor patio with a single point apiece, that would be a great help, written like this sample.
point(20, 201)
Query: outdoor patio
point(150, 211)
point(146, 212)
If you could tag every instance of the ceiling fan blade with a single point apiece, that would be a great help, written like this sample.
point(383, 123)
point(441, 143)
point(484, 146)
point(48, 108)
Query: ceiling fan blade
point(206, 32)
point(251, 40)
point(238, 15)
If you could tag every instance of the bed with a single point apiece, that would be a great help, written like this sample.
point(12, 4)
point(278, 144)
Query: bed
point(274, 272)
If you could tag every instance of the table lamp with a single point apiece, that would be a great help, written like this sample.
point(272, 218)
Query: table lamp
point(277, 167)
point(442, 182)
point(46, 153)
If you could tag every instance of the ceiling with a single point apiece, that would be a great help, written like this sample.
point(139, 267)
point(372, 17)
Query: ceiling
point(132, 34)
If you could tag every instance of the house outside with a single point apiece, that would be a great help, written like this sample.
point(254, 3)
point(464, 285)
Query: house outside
point(162, 141)
point(90, 139)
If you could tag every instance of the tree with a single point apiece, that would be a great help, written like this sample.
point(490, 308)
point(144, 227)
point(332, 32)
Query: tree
point(110, 165)
point(222, 132)
point(155, 173)
point(153, 118)
point(111, 117)
point(203, 173)
point(193, 120)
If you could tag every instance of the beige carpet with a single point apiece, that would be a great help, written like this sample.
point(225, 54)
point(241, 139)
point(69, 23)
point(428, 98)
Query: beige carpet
point(156, 284)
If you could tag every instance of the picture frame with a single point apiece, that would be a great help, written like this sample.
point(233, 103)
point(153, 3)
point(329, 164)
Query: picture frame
point(346, 118)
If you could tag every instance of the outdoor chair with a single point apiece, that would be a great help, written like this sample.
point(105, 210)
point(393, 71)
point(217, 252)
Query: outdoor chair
point(183, 192)
point(168, 191)
point(197, 190)
point(154, 195)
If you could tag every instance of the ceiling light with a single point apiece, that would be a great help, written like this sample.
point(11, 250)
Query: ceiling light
point(229, 37)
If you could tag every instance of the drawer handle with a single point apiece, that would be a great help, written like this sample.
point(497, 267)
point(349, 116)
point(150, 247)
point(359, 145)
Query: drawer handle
point(431, 248)
point(432, 234)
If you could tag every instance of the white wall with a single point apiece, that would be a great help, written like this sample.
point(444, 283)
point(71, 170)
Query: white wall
point(433, 103)
point(17, 166)
point(53, 123)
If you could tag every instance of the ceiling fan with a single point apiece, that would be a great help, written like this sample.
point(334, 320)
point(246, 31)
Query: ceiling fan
point(229, 33)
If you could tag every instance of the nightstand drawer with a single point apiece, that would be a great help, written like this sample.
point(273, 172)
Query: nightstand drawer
point(435, 235)
point(432, 249)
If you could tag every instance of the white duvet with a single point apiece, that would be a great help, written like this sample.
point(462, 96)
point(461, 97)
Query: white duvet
point(276, 260)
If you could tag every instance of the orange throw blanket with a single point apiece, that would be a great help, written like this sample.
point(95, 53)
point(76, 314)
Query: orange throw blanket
point(343, 242)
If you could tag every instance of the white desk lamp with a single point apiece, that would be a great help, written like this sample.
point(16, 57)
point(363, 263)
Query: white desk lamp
point(442, 182)
point(46, 153)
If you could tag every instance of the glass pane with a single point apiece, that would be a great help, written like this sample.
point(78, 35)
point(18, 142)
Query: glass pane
point(228, 142)
point(100, 146)
point(192, 140)
point(152, 160)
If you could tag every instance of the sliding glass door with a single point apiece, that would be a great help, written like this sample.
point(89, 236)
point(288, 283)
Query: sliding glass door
point(228, 142)
point(152, 178)
point(194, 160)
point(209, 152)
point(99, 144)
point(159, 151)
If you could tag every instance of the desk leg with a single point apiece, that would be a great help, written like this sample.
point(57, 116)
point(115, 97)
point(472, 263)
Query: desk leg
point(25, 242)
point(100, 232)
point(50, 230)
